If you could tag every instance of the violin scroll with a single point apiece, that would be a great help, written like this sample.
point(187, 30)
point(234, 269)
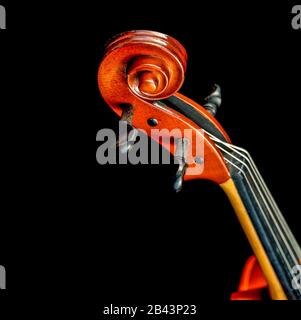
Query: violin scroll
point(150, 65)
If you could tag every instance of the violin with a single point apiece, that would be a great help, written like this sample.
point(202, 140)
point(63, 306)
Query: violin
point(139, 78)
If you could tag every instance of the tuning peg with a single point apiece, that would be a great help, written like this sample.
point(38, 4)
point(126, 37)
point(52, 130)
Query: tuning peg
point(126, 141)
point(214, 100)
point(180, 158)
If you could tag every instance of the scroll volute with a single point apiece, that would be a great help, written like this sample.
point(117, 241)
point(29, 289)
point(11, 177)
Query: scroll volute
point(139, 69)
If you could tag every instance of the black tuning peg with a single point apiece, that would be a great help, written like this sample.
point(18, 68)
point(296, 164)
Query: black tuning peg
point(180, 158)
point(126, 141)
point(214, 100)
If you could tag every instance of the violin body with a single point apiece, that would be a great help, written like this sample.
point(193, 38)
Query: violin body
point(139, 78)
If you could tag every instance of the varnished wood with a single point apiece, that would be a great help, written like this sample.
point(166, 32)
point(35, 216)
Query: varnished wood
point(140, 67)
point(275, 287)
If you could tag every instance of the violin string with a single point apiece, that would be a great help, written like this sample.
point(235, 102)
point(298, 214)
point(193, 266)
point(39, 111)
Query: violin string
point(281, 221)
point(279, 247)
point(288, 266)
point(266, 191)
point(279, 228)
point(288, 272)
point(279, 215)
point(258, 202)
point(276, 223)
point(274, 236)
point(265, 217)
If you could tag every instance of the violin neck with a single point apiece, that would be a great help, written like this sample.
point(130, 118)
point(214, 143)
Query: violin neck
point(272, 241)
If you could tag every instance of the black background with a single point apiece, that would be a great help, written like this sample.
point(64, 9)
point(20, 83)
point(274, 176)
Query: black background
point(120, 231)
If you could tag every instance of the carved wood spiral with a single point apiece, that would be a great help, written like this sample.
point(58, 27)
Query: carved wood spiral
point(146, 64)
